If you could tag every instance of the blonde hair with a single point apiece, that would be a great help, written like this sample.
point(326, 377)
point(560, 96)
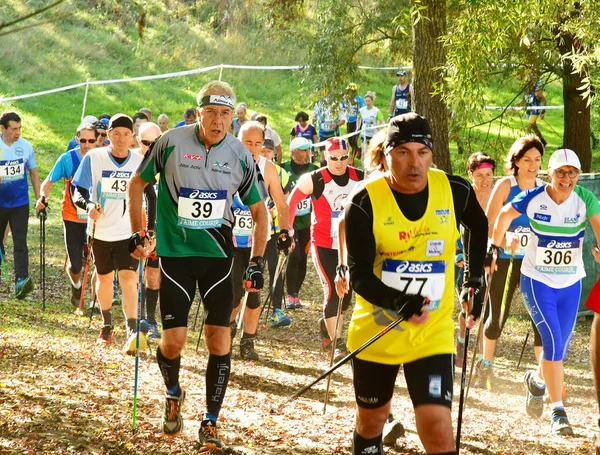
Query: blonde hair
point(374, 156)
point(215, 88)
point(371, 95)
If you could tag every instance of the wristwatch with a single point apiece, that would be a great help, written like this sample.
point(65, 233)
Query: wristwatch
point(258, 260)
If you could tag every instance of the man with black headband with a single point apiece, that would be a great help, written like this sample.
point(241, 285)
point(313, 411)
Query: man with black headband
point(100, 183)
point(201, 167)
point(401, 259)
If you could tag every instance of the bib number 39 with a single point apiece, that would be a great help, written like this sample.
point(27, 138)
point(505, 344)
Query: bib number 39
point(201, 209)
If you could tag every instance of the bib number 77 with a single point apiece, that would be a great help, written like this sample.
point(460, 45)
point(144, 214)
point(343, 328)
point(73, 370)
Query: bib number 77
point(417, 288)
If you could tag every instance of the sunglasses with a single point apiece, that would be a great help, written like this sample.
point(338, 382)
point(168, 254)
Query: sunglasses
point(338, 158)
point(146, 143)
point(102, 134)
point(87, 141)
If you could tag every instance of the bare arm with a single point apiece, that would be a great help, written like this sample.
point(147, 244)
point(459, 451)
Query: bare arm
point(35, 182)
point(44, 193)
point(260, 228)
point(495, 204)
point(135, 191)
point(303, 188)
point(393, 101)
point(505, 217)
point(277, 195)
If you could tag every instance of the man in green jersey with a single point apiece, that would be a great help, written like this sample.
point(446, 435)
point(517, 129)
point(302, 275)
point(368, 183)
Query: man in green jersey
point(201, 167)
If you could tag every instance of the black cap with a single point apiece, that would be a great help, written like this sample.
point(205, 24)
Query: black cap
point(268, 144)
point(120, 120)
point(405, 128)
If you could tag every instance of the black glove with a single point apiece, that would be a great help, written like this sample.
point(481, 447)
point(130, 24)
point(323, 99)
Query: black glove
point(407, 305)
point(137, 238)
point(253, 276)
point(284, 242)
point(494, 251)
point(475, 284)
point(341, 271)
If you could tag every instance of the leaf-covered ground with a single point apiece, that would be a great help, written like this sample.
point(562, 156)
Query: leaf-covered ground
point(61, 393)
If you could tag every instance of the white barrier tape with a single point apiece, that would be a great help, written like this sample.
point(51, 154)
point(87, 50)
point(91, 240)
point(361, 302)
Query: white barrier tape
point(177, 74)
point(529, 108)
point(354, 133)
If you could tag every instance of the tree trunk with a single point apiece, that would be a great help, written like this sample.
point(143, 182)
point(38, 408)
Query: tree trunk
point(428, 56)
point(577, 130)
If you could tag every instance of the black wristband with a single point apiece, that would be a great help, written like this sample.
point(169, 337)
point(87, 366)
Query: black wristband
point(258, 260)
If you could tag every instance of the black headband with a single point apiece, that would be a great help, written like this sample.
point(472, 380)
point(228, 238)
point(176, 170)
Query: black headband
point(217, 100)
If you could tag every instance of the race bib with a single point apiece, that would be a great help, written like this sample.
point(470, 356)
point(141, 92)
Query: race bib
point(11, 170)
point(327, 125)
point(522, 234)
point(242, 223)
point(557, 257)
point(336, 217)
point(303, 207)
point(114, 184)
point(81, 214)
point(201, 209)
point(424, 278)
point(401, 103)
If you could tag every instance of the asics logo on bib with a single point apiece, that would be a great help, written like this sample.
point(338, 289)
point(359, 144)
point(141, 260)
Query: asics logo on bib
point(197, 194)
point(414, 267)
point(119, 175)
point(522, 230)
point(560, 245)
point(240, 212)
point(12, 163)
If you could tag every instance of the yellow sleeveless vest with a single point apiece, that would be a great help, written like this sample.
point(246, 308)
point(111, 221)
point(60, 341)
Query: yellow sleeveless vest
point(416, 257)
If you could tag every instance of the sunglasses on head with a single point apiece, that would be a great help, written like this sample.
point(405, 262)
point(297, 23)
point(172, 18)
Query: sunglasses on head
point(338, 158)
point(146, 143)
point(87, 141)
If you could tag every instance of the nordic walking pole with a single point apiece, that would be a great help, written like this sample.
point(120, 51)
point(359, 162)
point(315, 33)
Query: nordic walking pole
point(333, 346)
point(87, 267)
point(281, 263)
point(486, 298)
point(524, 346)
point(350, 356)
point(137, 347)
point(463, 379)
point(42, 216)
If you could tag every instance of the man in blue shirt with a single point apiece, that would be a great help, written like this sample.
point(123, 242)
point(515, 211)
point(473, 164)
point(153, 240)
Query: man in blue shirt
point(189, 118)
point(352, 105)
point(16, 157)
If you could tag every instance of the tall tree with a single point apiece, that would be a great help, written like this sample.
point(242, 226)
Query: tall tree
point(429, 57)
point(507, 40)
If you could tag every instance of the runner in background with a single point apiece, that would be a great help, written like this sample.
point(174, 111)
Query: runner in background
point(74, 218)
point(241, 118)
point(163, 123)
point(16, 159)
point(480, 168)
point(298, 165)
point(271, 134)
point(370, 116)
point(351, 105)
point(328, 187)
point(523, 163)
point(402, 95)
point(328, 120)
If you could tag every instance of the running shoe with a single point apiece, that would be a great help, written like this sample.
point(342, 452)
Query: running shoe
point(145, 326)
point(23, 287)
point(247, 351)
point(106, 335)
point(534, 400)
point(559, 424)
point(172, 422)
point(129, 347)
point(484, 376)
point(154, 333)
point(341, 351)
point(292, 302)
point(324, 335)
point(392, 430)
point(459, 357)
point(207, 436)
point(279, 319)
point(75, 296)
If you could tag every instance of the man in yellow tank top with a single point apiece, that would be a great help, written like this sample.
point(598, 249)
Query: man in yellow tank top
point(401, 253)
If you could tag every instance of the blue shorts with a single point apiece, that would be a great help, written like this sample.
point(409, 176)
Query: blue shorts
point(554, 312)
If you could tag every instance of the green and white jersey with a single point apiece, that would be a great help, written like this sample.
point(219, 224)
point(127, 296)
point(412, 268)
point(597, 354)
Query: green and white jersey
point(196, 189)
point(553, 255)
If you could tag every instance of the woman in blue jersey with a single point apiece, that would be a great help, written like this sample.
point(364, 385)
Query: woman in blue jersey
point(523, 163)
point(551, 272)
